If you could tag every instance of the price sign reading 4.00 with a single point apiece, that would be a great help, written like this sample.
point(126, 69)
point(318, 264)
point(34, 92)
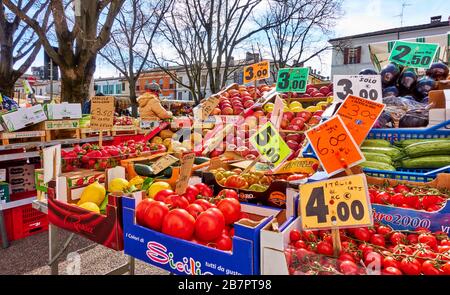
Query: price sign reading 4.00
point(365, 86)
point(271, 145)
point(338, 202)
point(413, 54)
point(257, 71)
point(334, 145)
point(292, 80)
point(102, 112)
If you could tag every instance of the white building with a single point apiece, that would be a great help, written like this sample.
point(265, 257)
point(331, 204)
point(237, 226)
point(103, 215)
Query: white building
point(351, 53)
point(116, 86)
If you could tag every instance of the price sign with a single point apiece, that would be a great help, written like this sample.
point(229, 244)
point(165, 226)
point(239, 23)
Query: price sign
point(413, 54)
point(162, 163)
point(257, 71)
point(277, 113)
point(271, 145)
point(359, 115)
point(102, 112)
point(187, 161)
point(334, 145)
point(365, 86)
point(208, 106)
point(338, 202)
point(292, 80)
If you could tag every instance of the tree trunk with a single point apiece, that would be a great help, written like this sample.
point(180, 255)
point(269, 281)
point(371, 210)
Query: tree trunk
point(6, 85)
point(134, 105)
point(75, 84)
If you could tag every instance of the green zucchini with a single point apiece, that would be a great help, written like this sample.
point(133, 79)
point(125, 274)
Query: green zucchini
point(143, 170)
point(427, 162)
point(374, 157)
point(200, 160)
point(393, 152)
point(428, 148)
point(377, 142)
point(377, 166)
point(406, 142)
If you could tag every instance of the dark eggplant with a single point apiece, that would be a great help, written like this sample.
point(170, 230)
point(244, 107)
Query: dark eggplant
point(423, 86)
point(407, 82)
point(390, 91)
point(438, 71)
point(389, 74)
point(414, 119)
point(368, 72)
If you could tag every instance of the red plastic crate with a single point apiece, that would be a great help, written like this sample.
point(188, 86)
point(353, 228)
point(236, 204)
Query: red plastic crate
point(24, 221)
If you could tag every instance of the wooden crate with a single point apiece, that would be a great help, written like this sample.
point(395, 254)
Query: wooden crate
point(22, 136)
point(87, 132)
point(124, 130)
point(61, 129)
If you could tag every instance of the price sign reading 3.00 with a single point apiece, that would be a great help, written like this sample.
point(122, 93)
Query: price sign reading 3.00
point(292, 80)
point(365, 86)
point(339, 202)
point(257, 71)
point(413, 54)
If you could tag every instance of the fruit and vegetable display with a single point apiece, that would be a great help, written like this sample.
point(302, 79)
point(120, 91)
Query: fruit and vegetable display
point(406, 154)
point(197, 215)
point(252, 181)
point(374, 250)
point(124, 121)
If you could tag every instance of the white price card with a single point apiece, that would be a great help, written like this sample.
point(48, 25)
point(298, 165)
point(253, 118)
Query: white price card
point(2, 174)
point(365, 86)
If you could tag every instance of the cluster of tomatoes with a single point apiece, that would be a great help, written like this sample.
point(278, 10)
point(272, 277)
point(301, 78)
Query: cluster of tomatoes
point(195, 216)
point(418, 198)
point(375, 250)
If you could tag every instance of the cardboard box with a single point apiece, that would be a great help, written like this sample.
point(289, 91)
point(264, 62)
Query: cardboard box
point(63, 111)
point(440, 110)
point(23, 117)
point(185, 257)
point(4, 192)
point(20, 170)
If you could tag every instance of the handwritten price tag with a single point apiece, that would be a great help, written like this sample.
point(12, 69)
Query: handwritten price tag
point(365, 86)
point(271, 145)
point(359, 115)
point(102, 112)
point(162, 163)
point(187, 162)
point(413, 54)
point(339, 202)
point(334, 145)
point(208, 106)
point(292, 80)
point(257, 71)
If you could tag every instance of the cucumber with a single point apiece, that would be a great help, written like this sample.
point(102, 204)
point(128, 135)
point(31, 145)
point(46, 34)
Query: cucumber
point(406, 142)
point(200, 160)
point(143, 170)
point(377, 142)
point(427, 162)
point(393, 152)
point(427, 148)
point(374, 157)
point(377, 166)
point(166, 173)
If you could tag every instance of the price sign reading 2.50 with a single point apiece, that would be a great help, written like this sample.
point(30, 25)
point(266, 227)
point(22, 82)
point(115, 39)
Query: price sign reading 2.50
point(271, 145)
point(339, 202)
point(413, 54)
point(292, 80)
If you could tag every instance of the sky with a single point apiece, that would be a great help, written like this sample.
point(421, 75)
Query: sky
point(360, 16)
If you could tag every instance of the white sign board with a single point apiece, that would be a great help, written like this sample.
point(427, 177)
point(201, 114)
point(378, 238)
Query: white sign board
point(365, 86)
point(52, 162)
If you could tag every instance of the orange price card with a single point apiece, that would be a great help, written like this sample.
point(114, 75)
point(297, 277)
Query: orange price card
point(334, 145)
point(359, 115)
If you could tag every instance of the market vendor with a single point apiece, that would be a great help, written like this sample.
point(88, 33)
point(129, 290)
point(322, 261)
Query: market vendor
point(150, 105)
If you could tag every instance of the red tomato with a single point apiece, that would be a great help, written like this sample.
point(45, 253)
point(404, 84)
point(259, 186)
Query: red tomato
point(446, 268)
point(231, 209)
point(429, 201)
point(302, 253)
point(402, 189)
point(194, 210)
point(309, 235)
point(391, 271)
point(209, 225)
point(228, 193)
point(384, 230)
point(155, 214)
point(390, 261)
point(378, 240)
point(374, 257)
point(176, 201)
point(410, 266)
point(300, 244)
point(398, 238)
point(179, 223)
point(224, 243)
point(204, 190)
point(348, 267)
point(204, 203)
point(231, 232)
point(412, 239)
point(162, 195)
point(383, 198)
point(429, 240)
point(398, 199)
point(443, 249)
point(430, 268)
point(141, 211)
point(362, 234)
point(414, 202)
point(346, 257)
point(191, 193)
point(422, 230)
point(294, 236)
point(424, 254)
point(445, 242)
point(324, 248)
point(402, 249)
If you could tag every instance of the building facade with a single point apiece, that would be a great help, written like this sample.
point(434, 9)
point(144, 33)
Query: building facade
point(115, 86)
point(351, 54)
point(160, 77)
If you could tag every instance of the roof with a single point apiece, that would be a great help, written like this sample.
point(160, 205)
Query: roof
point(395, 30)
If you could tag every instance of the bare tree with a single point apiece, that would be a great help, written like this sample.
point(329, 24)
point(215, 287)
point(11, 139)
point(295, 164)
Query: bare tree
point(205, 34)
point(78, 43)
point(19, 44)
point(303, 36)
point(132, 37)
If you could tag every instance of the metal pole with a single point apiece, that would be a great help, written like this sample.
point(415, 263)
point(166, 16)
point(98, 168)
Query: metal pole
point(5, 242)
point(51, 80)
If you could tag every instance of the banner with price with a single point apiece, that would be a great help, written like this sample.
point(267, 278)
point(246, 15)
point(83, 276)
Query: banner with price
point(102, 112)
point(271, 145)
point(413, 54)
point(334, 145)
point(257, 71)
point(292, 80)
point(365, 86)
point(338, 202)
point(359, 115)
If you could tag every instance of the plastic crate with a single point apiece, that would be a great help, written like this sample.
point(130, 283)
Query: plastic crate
point(24, 221)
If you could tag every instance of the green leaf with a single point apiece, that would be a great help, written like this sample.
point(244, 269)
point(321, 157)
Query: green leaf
point(147, 183)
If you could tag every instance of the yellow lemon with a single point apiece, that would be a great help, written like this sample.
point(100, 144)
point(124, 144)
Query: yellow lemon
point(269, 107)
point(297, 109)
point(313, 109)
point(90, 206)
point(330, 99)
point(117, 185)
point(95, 193)
point(137, 181)
point(295, 104)
point(286, 109)
point(157, 187)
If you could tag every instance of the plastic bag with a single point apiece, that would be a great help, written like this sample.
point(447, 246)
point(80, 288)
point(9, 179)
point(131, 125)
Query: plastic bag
point(403, 112)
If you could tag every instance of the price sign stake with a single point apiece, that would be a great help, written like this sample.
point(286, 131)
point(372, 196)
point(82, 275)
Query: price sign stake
point(271, 145)
point(335, 203)
point(364, 86)
point(359, 115)
point(332, 142)
point(256, 72)
point(292, 80)
point(413, 54)
point(277, 113)
point(187, 162)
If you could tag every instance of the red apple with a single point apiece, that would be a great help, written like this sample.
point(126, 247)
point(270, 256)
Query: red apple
point(247, 97)
point(259, 114)
point(227, 111)
point(318, 94)
point(318, 113)
point(324, 90)
point(248, 103)
point(293, 145)
point(305, 95)
point(243, 151)
point(215, 153)
point(305, 115)
point(293, 127)
point(284, 123)
point(216, 111)
point(288, 115)
point(311, 90)
point(315, 120)
point(245, 93)
point(295, 137)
